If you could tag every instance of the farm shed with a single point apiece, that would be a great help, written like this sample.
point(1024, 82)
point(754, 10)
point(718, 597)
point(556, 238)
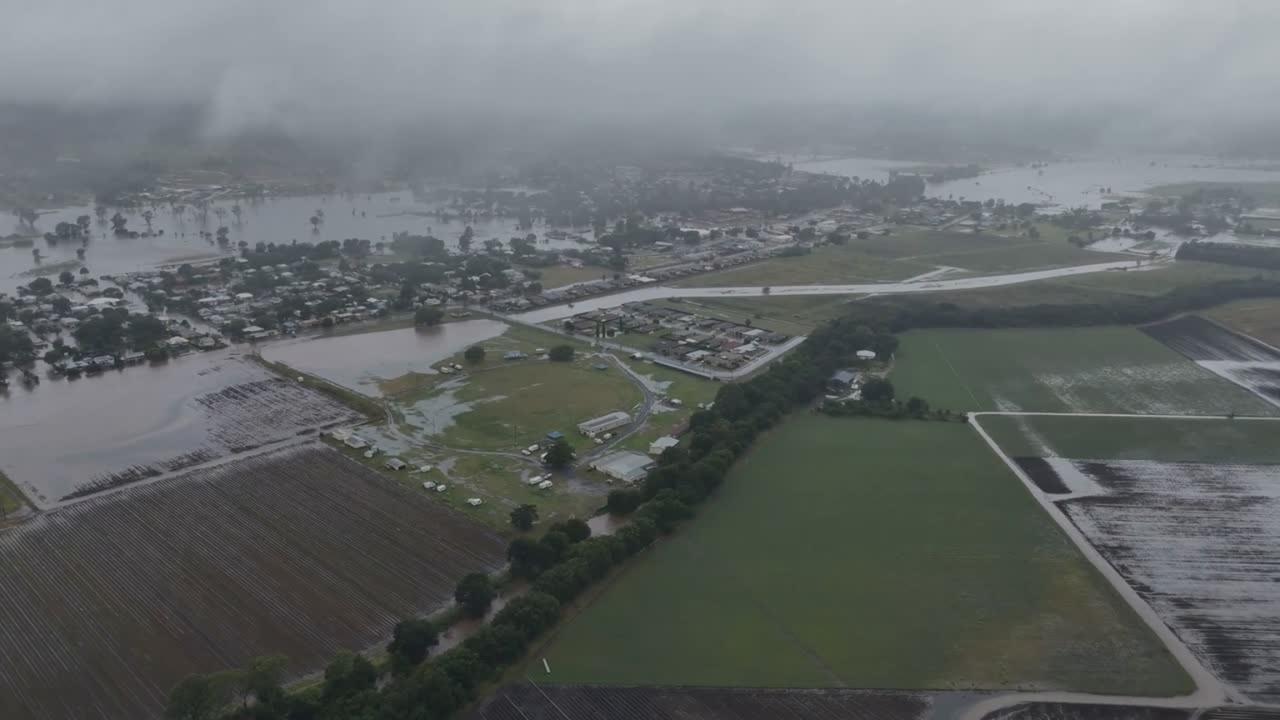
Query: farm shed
point(604, 423)
point(395, 464)
point(866, 354)
point(657, 447)
point(627, 466)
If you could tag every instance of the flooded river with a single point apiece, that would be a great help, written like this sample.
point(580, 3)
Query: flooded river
point(360, 361)
point(1065, 184)
point(279, 219)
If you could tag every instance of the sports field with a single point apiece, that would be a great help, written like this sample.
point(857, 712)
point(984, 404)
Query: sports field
point(894, 555)
point(1103, 369)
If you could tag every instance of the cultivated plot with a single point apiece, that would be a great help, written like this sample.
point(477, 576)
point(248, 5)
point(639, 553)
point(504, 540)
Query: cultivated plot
point(1105, 369)
point(1198, 538)
point(107, 603)
point(65, 439)
point(841, 553)
point(1243, 360)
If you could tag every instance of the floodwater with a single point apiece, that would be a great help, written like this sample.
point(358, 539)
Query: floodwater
point(1066, 184)
point(277, 220)
point(61, 434)
point(359, 362)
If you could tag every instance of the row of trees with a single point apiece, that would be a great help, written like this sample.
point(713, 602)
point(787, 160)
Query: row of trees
point(1251, 256)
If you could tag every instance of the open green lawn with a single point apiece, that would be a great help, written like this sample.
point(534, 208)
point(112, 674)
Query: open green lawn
point(1161, 439)
point(790, 315)
point(11, 498)
point(515, 406)
point(561, 275)
point(825, 264)
point(1102, 369)
point(865, 553)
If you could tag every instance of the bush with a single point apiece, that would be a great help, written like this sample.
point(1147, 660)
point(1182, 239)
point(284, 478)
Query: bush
point(523, 517)
point(474, 354)
point(623, 502)
point(428, 316)
point(561, 353)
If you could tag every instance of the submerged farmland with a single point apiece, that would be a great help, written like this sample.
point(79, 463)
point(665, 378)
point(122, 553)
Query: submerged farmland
point(105, 604)
point(1243, 360)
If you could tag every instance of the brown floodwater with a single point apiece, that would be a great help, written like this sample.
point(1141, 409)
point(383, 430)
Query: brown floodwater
point(360, 362)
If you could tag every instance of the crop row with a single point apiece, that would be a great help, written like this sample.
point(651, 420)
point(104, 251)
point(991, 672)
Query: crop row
point(105, 604)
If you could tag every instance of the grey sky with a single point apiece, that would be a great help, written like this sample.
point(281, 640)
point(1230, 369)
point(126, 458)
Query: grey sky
point(348, 63)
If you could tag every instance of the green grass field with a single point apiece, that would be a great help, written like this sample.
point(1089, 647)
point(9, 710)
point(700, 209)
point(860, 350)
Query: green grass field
point(1102, 369)
point(826, 264)
point(869, 554)
point(1161, 439)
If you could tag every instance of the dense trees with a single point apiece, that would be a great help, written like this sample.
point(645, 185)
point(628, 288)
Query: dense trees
point(474, 354)
point(561, 353)
point(1253, 256)
point(877, 391)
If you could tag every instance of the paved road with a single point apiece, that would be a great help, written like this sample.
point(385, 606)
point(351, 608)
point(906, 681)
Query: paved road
point(913, 285)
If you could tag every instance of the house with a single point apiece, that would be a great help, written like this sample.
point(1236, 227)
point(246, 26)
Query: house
point(659, 446)
point(604, 423)
point(355, 442)
point(515, 355)
point(843, 382)
point(395, 464)
point(555, 436)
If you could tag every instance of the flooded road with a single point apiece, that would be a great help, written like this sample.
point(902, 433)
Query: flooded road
point(279, 220)
point(359, 362)
point(1065, 184)
point(62, 436)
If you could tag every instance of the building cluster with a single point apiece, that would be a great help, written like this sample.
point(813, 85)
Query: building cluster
point(687, 337)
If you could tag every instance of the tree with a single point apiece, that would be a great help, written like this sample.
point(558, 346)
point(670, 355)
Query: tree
point(475, 594)
point(474, 354)
point(315, 223)
point(223, 238)
point(523, 517)
point(576, 528)
point(40, 286)
point(560, 454)
point(147, 217)
point(428, 316)
point(877, 391)
point(917, 406)
point(561, 353)
point(197, 697)
point(261, 679)
point(119, 223)
point(66, 277)
point(348, 675)
point(464, 242)
point(410, 642)
point(623, 502)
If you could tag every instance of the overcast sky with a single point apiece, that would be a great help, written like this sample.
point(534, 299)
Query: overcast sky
point(342, 63)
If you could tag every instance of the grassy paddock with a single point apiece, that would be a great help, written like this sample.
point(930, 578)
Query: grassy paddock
point(1259, 318)
point(1101, 369)
point(876, 565)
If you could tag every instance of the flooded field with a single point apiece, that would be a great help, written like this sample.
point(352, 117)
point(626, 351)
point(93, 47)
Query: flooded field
point(108, 603)
point(273, 220)
point(63, 439)
point(1241, 359)
point(359, 362)
point(1200, 542)
point(1066, 184)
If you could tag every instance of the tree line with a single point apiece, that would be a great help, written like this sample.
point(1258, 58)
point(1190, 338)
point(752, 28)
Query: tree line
point(1250, 256)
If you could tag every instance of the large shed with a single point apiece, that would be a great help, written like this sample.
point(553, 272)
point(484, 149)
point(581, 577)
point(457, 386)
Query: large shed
point(626, 466)
point(604, 423)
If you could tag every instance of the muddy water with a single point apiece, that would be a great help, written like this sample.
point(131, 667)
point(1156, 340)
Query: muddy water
point(62, 433)
point(280, 220)
point(359, 362)
point(1063, 184)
